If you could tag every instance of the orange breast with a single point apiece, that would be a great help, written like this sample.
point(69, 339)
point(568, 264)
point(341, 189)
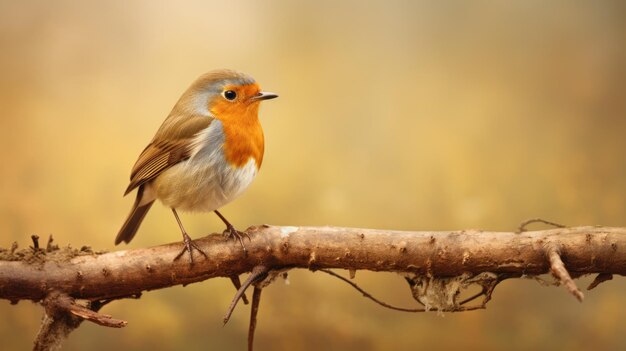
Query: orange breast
point(242, 130)
point(243, 140)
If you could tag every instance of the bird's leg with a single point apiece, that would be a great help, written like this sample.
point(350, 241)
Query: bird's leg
point(231, 232)
point(189, 245)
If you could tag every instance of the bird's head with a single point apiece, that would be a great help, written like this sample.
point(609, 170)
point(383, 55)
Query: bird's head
point(225, 95)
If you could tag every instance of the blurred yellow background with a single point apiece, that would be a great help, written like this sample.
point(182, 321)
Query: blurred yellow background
point(392, 114)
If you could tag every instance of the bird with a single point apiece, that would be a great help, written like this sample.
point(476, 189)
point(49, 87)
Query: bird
point(205, 154)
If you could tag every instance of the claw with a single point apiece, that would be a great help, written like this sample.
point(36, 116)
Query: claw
point(189, 245)
point(231, 232)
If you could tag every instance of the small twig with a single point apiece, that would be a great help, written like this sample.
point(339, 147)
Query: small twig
point(98, 304)
point(402, 309)
point(491, 287)
point(367, 295)
point(35, 239)
point(98, 318)
point(557, 267)
point(522, 226)
point(258, 273)
point(50, 246)
point(600, 278)
point(474, 297)
point(256, 300)
point(68, 304)
point(237, 284)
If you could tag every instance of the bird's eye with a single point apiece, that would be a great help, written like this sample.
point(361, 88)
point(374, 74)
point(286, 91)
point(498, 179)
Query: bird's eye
point(229, 95)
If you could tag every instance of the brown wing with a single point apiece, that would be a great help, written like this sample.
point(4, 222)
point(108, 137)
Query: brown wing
point(172, 144)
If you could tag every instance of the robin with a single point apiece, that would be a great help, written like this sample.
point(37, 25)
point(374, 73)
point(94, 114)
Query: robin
point(204, 155)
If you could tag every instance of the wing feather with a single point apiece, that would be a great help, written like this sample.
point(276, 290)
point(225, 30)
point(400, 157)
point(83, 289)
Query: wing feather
point(173, 143)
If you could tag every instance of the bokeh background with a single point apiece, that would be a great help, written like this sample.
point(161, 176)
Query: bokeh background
point(392, 114)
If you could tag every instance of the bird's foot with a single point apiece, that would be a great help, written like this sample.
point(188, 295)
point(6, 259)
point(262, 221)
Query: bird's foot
point(189, 245)
point(231, 232)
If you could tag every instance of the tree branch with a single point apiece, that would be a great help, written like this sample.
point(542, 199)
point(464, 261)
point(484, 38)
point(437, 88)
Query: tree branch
point(97, 276)
point(437, 265)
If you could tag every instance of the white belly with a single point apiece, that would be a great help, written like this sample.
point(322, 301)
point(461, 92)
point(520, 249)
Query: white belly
point(206, 181)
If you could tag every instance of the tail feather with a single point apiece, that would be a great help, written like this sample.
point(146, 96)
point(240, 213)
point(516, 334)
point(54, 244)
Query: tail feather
point(135, 217)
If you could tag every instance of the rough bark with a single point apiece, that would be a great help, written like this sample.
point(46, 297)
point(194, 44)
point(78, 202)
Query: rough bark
point(99, 276)
point(437, 266)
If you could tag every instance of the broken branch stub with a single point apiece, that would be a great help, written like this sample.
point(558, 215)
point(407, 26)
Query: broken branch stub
point(557, 267)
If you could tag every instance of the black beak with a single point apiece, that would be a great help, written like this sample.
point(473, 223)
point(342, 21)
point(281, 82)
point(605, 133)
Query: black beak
point(264, 95)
